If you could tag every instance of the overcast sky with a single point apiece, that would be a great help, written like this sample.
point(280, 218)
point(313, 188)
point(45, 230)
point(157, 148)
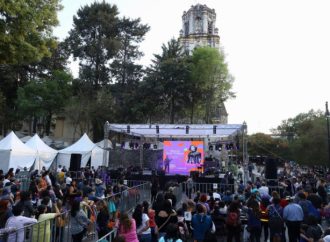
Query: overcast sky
point(277, 50)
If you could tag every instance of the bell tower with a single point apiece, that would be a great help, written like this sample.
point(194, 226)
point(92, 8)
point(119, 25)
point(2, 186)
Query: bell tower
point(198, 28)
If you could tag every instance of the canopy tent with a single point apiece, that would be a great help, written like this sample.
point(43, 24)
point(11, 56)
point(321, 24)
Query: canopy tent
point(86, 148)
point(108, 144)
point(15, 154)
point(45, 154)
point(177, 130)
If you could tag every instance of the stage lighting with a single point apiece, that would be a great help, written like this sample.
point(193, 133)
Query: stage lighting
point(187, 129)
point(157, 129)
point(214, 129)
point(128, 129)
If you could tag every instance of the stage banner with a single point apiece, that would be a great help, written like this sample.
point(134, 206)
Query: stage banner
point(182, 157)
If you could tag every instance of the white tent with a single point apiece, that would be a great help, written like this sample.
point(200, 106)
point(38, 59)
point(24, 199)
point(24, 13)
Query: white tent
point(86, 148)
point(101, 144)
point(15, 154)
point(45, 154)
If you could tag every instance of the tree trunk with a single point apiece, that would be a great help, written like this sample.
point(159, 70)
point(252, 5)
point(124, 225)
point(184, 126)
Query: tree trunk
point(34, 125)
point(48, 123)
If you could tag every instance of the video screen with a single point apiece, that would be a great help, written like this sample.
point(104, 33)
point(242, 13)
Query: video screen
point(181, 157)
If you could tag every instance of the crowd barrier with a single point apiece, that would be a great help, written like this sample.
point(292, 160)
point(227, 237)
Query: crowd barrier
point(108, 237)
point(58, 229)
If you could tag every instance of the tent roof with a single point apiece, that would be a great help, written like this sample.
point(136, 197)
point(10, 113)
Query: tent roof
point(101, 143)
point(13, 143)
point(177, 130)
point(37, 144)
point(81, 146)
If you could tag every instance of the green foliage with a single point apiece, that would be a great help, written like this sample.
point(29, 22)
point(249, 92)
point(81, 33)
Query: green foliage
point(94, 41)
point(170, 72)
point(25, 30)
point(307, 136)
point(43, 98)
point(211, 82)
point(261, 144)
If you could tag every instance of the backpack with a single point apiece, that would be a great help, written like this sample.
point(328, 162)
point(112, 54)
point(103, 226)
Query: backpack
point(232, 219)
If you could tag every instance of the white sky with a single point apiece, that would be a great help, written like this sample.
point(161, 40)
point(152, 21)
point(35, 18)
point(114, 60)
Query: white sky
point(277, 50)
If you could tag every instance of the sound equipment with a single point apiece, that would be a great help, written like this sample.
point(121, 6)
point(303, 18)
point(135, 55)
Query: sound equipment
point(187, 129)
point(194, 174)
point(75, 162)
point(271, 168)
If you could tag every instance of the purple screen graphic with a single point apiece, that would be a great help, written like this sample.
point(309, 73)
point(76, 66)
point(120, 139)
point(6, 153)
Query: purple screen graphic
point(181, 157)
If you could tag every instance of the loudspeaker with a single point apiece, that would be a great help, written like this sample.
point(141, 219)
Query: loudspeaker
point(75, 162)
point(271, 169)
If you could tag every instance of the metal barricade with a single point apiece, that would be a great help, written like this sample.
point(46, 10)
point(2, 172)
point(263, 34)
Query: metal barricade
point(108, 237)
point(59, 229)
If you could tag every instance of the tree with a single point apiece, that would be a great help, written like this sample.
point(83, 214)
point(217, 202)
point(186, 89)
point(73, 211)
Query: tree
point(307, 137)
point(170, 70)
point(261, 144)
point(211, 81)
point(125, 72)
point(94, 41)
point(43, 98)
point(26, 30)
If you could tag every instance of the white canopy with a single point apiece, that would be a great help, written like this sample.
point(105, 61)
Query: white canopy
point(45, 154)
point(86, 148)
point(101, 144)
point(15, 154)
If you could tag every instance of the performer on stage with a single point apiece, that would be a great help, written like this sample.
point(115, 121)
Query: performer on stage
point(194, 157)
point(167, 164)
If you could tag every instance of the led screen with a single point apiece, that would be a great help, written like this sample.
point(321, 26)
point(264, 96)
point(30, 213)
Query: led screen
point(181, 157)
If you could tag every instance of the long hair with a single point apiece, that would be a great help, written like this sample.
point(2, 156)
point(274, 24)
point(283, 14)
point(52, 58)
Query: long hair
point(103, 207)
point(255, 209)
point(137, 215)
point(41, 210)
point(145, 205)
point(125, 222)
point(75, 208)
point(171, 232)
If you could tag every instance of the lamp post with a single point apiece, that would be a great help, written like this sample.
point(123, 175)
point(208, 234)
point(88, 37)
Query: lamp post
point(245, 158)
point(327, 115)
point(105, 145)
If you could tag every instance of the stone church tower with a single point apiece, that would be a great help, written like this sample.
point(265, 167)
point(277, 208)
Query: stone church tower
point(199, 30)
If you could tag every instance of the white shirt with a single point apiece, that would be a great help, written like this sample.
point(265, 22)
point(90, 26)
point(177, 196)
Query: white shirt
point(216, 195)
point(49, 182)
point(263, 190)
point(18, 222)
point(326, 238)
point(145, 219)
point(68, 180)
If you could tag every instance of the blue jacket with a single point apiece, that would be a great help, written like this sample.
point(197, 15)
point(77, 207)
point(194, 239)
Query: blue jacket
point(201, 224)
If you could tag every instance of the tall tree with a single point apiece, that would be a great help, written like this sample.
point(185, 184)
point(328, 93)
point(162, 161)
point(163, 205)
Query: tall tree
point(124, 69)
point(94, 41)
point(26, 30)
point(170, 70)
point(211, 82)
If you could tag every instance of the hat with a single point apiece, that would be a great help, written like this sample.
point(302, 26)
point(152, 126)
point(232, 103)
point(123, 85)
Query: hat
point(98, 181)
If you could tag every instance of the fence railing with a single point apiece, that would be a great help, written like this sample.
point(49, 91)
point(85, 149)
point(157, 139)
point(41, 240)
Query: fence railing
point(58, 229)
point(108, 237)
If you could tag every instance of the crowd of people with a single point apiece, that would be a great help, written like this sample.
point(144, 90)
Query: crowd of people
point(59, 205)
